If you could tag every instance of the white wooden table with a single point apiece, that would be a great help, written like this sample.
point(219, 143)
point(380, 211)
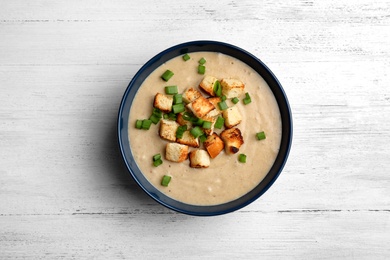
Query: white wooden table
point(65, 193)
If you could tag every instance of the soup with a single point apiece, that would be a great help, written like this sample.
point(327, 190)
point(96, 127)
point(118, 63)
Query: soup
point(226, 178)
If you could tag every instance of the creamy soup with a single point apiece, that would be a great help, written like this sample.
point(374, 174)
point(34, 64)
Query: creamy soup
point(226, 178)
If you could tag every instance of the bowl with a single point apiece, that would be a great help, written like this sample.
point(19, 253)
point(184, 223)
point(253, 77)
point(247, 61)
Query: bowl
point(245, 57)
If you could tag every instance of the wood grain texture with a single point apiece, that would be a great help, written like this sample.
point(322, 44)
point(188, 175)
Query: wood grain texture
point(65, 192)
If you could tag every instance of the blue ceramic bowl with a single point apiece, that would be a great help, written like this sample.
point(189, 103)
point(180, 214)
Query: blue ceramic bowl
point(247, 58)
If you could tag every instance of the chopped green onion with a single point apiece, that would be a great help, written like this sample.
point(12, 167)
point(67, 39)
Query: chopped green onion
point(157, 162)
point(180, 131)
point(186, 57)
point(146, 124)
point(202, 138)
point(242, 158)
point(177, 99)
point(196, 131)
point(156, 115)
point(178, 108)
point(165, 180)
point(235, 100)
point(206, 124)
point(167, 75)
point(156, 157)
point(222, 105)
point(217, 88)
point(202, 61)
point(154, 118)
point(157, 112)
point(187, 116)
point(223, 98)
point(197, 121)
point(201, 69)
point(247, 99)
point(138, 124)
point(260, 135)
point(166, 116)
point(172, 116)
point(219, 123)
point(171, 90)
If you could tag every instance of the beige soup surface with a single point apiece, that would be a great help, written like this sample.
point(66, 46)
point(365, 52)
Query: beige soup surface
point(226, 178)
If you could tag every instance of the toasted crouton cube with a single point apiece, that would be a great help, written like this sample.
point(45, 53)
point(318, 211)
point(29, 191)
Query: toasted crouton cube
point(175, 152)
point(200, 106)
point(199, 159)
point(163, 102)
point(168, 130)
point(215, 101)
point(232, 117)
point(232, 88)
point(191, 94)
point(188, 139)
point(214, 145)
point(181, 121)
point(233, 140)
point(214, 113)
point(207, 84)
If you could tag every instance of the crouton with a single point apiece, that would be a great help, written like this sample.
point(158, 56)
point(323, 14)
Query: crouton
point(188, 139)
point(214, 145)
point(168, 130)
point(232, 88)
point(163, 102)
point(199, 159)
point(214, 113)
point(215, 101)
point(233, 140)
point(200, 106)
point(181, 121)
point(232, 117)
point(190, 94)
point(175, 152)
point(207, 84)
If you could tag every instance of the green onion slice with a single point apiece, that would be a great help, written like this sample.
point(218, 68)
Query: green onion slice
point(187, 116)
point(202, 61)
point(201, 69)
point(186, 57)
point(219, 123)
point(242, 158)
point(146, 123)
point(177, 99)
point(178, 108)
point(260, 135)
point(156, 157)
point(197, 121)
point(196, 131)
point(207, 125)
point(202, 138)
point(171, 90)
point(222, 105)
point(155, 119)
point(165, 180)
point(247, 99)
point(138, 124)
point(167, 75)
point(235, 100)
point(157, 162)
point(217, 88)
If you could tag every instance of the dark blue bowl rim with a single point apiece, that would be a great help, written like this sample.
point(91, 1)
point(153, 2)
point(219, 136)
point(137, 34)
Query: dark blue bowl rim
point(257, 65)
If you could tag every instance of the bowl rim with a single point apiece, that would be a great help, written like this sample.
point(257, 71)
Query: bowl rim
point(259, 67)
